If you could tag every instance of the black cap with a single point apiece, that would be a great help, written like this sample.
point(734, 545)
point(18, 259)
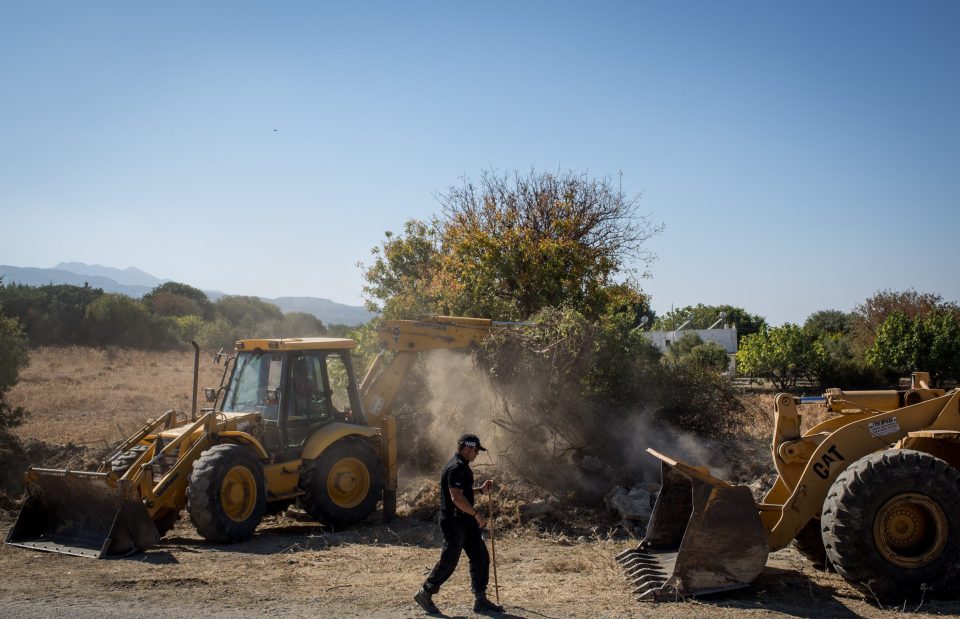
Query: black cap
point(471, 440)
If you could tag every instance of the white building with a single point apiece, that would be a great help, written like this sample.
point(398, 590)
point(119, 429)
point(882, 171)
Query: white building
point(727, 337)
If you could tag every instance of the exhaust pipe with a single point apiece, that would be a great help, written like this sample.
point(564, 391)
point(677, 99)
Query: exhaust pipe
point(704, 536)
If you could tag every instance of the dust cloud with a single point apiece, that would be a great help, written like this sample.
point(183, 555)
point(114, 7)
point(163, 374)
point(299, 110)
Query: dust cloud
point(552, 441)
point(460, 399)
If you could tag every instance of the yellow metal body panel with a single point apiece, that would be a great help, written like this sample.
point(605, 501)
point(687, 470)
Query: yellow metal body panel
point(329, 434)
point(297, 343)
point(433, 334)
point(848, 444)
point(247, 440)
point(282, 480)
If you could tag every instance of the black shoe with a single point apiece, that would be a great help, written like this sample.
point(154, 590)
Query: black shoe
point(425, 599)
point(483, 605)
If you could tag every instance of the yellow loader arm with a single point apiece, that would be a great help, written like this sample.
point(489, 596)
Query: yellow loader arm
point(400, 341)
point(706, 535)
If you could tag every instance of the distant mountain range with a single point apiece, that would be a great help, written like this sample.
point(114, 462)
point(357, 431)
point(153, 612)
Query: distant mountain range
point(135, 283)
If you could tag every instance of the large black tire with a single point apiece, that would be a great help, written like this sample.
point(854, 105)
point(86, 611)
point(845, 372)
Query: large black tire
point(891, 525)
point(809, 543)
point(344, 484)
point(226, 494)
point(122, 463)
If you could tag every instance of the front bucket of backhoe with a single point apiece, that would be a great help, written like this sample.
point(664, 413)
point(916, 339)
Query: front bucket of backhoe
point(704, 536)
point(82, 513)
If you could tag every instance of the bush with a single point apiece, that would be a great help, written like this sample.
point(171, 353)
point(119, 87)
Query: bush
point(782, 355)
point(189, 328)
point(576, 391)
point(691, 349)
point(13, 358)
point(927, 343)
point(216, 335)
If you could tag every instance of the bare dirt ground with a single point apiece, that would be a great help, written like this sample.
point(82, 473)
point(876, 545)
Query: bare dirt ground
point(293, 568)
point(296, 569)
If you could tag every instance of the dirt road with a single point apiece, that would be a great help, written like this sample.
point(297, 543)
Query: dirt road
point(295, 569)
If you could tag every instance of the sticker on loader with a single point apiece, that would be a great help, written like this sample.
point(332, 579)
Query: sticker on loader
point(883, 427)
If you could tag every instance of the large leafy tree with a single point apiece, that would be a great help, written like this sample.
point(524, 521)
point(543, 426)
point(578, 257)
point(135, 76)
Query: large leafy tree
point(176, 299)
point(252, 317)
point(828, 322)
point(782, 355)
point(871, 314)
point(840, 365)
point(403, 280)
point(511, 244)
point(929, 342)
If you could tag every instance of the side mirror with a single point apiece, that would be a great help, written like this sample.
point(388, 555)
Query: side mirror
point(210, 394)
point(217, 357)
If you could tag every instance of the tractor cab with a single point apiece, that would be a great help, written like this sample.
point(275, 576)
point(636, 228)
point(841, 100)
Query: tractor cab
point(296, 385)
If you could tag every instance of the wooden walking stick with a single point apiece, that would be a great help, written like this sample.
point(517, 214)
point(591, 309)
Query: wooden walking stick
point(493, 544)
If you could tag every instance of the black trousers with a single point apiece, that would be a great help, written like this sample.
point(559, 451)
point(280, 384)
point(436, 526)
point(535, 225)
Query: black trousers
point(461, 533)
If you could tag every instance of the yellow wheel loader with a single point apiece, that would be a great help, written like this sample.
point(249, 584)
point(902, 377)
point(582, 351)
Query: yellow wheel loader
point(289, 423)
point(874, 490)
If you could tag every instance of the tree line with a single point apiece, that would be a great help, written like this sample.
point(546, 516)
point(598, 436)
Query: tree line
point(168, 317)
point(888, 336)
point(884, 338)
point(564, 253)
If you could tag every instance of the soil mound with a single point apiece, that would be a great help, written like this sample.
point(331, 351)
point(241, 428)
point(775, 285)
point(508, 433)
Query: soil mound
point(17, 456)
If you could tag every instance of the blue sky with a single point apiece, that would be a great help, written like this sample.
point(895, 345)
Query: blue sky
point(801, 156)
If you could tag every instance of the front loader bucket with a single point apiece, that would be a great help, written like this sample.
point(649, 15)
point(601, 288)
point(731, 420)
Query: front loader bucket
point(81, 513)
point(704, 536)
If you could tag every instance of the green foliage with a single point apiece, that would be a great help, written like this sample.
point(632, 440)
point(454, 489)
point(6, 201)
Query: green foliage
point(827, 322)
point(511, 245)
point(189, 327)
point(13, 352)
point(338, 330)
point(691, 349)
point(697, 399)
point(116, 319)
point(176, 299)
point(13, 358)
point(301, 324)
point(871, 314)
point(928, 342)
point(401, 280)
point(577, 388)
point(250, 316)
point(53, 314)
point(703, 316)
point(840, 367)
point(217, 334)
point(782, 355)
point(171, 315)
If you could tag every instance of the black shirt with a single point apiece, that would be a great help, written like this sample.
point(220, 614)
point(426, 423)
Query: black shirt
point(456, 474)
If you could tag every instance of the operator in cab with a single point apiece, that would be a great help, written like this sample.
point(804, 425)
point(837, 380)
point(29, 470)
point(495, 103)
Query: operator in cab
point(461, 523)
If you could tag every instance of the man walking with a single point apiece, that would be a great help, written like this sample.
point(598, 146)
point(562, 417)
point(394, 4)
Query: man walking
point(460, 523)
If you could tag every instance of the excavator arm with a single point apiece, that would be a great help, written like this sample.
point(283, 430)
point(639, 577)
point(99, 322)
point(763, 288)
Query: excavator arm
point(400, 341)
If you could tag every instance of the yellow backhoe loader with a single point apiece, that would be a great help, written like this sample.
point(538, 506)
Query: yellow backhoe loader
point(288, 423)
point(874, 490)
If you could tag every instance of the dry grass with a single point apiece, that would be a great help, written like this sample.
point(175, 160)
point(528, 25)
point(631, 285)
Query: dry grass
point(96, 396)
point(293, 569)
point(762, 403)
